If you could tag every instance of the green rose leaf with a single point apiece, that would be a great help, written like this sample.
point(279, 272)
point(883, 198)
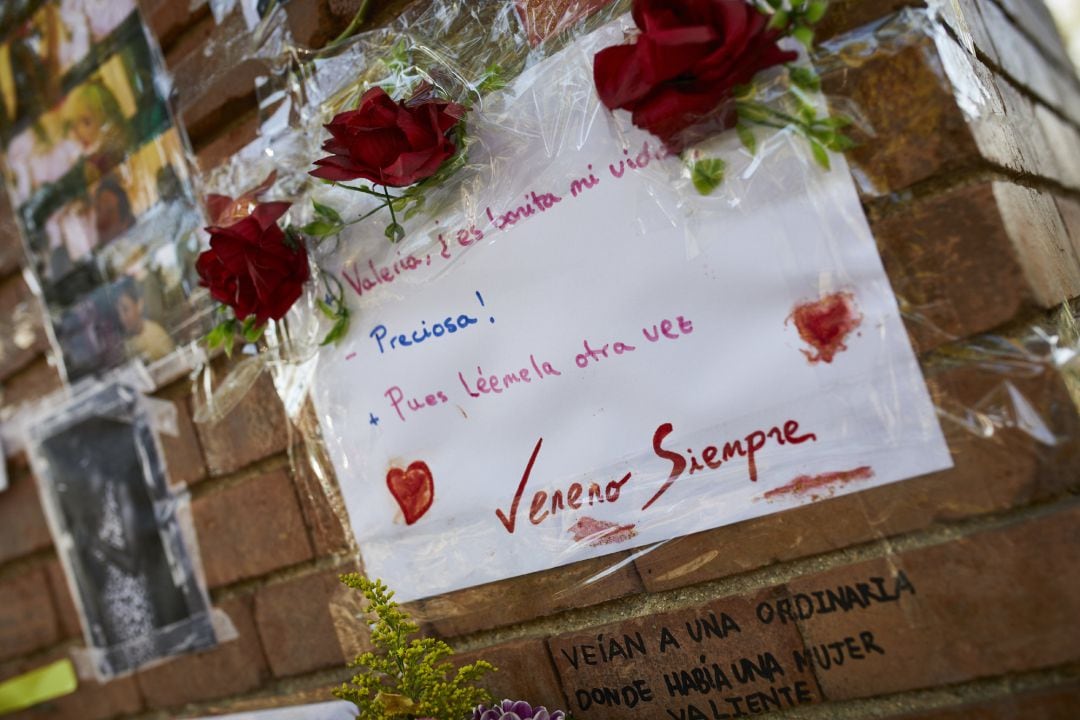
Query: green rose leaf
point(320, 228)
point(707, 174)
point(327, 213)
point(821, 155)
point(746, 135)
point(805, 78)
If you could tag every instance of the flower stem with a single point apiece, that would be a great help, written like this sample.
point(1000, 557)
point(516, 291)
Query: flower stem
point(390, 204)
point(368, 191)
point(354, 25)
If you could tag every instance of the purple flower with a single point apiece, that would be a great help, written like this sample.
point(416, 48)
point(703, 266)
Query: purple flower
point(519, 710)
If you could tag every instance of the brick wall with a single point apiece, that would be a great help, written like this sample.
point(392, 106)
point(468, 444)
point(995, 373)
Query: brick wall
point(973, 573)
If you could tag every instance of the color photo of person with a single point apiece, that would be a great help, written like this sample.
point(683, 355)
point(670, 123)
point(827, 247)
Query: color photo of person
point(146, 339)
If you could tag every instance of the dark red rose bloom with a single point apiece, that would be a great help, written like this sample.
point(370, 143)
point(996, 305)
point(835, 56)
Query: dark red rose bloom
point(678, 77)
point(389, 143)
point(250, 268)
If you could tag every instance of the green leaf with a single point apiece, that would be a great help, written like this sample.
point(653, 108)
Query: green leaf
point(326, 309)
point(320, 228)
point(815, 11)
point(337, 331)
point(395, 232)
point(805, 78)
point(744, 92)
point(223, 329)
point(779, 20)
point(821, 155)
point(293, 240)
point(399, 57)
point(492, 80)
point(805, 35)
point(707, 174)
point(326, 212)
point(839, 142)
point(253, 332)
point(746, 135)
point(228, 342)
point(752, 112)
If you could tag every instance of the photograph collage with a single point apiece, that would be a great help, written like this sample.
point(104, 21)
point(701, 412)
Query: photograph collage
point(97, 177)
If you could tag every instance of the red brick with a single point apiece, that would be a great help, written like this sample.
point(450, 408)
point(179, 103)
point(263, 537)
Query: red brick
point(970, 25)
point(22, 334)
point(1009, 468)
point(183, 455)
point(1040, 242)
point(1055, 704)
point(530, 596)
point(544, 18)
point(1064, 138)
point(319, 492)
point(299, 642)
point(1024, 145)
point(90, 701)
point(22, 522)
point(31, 383)
point(70, 625)
point(1035, 20)
point(906, 98)
point(740, 636)
point(987, 604)
point(1024, 61)
point(846, 15)
point(254, 429)
point(972, 258)
point(11, 250)
point(315, 23)
point(218, 147)
point(250, 528)
point(176, 25)
point(524, 671)
point(1070, 215)
point(28, 620)
point(232, 668)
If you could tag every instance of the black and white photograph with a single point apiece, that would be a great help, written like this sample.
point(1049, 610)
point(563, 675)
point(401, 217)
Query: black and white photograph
point(106, 493)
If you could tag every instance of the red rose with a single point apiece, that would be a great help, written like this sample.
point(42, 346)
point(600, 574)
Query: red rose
point(678, 77)
point(251, 268)
point(389, 143)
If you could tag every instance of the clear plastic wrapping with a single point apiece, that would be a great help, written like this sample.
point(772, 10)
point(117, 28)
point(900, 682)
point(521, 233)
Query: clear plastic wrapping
point(573, 351)
point(122, 533)
point(97, 173)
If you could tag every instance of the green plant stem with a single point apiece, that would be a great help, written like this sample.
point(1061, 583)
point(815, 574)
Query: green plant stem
point(348, 32)
point(368, 191)
point(390, 204)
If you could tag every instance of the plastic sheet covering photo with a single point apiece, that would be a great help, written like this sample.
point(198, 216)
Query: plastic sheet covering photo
point(97, 173)
point(600, 345)
point(122, 533)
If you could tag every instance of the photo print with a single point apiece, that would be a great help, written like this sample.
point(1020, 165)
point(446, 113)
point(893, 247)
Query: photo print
point(117, 526)
point(97, 173)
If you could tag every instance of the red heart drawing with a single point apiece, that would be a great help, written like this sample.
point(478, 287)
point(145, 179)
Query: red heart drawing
point(825, 324)
point(413, 488)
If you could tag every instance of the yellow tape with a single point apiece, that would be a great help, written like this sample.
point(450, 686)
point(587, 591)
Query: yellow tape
point(45, 683)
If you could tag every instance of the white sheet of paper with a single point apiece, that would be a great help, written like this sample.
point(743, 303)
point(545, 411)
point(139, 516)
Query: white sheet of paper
point(319, 711)
point(703, 290)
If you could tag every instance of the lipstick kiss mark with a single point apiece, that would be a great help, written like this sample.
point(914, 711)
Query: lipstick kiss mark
point(806, 484)
point(825, 324)
point(599, 532)
point(413, 489)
